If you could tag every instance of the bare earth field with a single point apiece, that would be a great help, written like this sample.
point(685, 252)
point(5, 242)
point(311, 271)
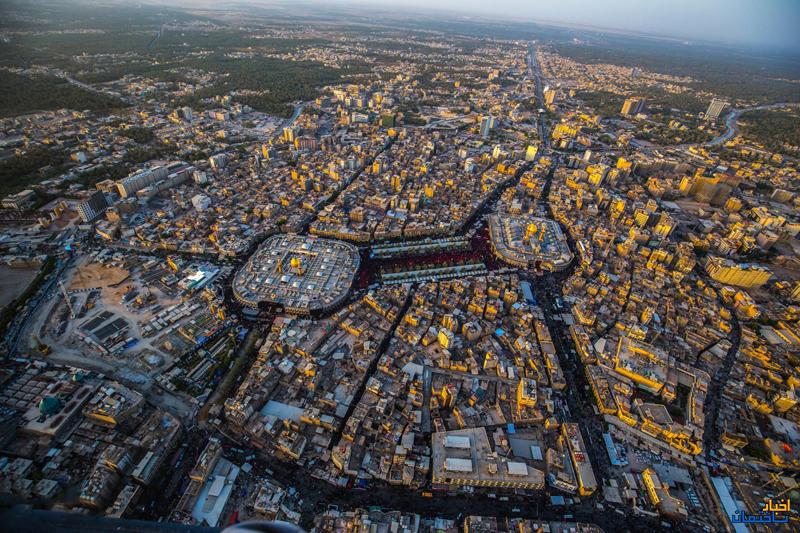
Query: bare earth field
point(95, 275)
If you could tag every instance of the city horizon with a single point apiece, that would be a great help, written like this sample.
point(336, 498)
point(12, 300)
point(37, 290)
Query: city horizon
point(787, 43)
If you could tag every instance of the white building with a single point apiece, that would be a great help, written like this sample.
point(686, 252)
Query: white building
point(201, 202)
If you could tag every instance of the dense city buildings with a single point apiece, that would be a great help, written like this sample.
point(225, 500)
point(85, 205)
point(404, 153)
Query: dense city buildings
point(393, 275)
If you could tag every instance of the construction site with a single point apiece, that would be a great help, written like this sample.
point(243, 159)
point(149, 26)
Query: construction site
point(136, 318)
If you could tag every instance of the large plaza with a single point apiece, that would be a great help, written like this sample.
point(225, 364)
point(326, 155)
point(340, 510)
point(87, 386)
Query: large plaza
point(300, 274)
point(528, 241)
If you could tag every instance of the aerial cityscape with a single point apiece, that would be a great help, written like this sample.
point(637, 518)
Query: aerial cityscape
point(373, 268)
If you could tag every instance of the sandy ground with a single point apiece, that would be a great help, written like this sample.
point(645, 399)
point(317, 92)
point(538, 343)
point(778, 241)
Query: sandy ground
point(92, 275)
point(13, 281)
point(63, 221)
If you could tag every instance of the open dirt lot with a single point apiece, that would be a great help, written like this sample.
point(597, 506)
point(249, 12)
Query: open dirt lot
point(94, 275)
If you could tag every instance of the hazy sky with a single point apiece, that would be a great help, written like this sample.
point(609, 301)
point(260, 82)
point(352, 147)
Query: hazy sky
point(764, 22)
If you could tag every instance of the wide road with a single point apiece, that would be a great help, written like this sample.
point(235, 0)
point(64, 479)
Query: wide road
point(731, 131)
point(733, 117)
point(16, 331)
point(535, 71)
point(720, 378)
point(318, 495)
point(721, 375)
point(297, 110)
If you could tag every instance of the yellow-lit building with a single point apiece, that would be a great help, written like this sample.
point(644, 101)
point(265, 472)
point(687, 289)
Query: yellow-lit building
point(562, 131)
point(645, 365)
point(796, 292)
point(741, 275)
point(660, 498)
point(526, 394)
point(446, 338)
point(587, 483)
point(633, 106)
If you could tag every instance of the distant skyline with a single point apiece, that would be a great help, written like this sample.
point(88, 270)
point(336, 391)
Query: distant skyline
point(771, 23)
point(763, 23)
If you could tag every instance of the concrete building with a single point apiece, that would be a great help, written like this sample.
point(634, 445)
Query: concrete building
point(715, 108)
point(93, 207)
point(745, 275)
point(465, 457)
point(487, 125)
point(20, 201)
point(113, 404)
point(141, 179)
point(632, 106)
point(529, 242)
point(644, 365)
point(660, 498)
point(587, 483)
point(201, 202)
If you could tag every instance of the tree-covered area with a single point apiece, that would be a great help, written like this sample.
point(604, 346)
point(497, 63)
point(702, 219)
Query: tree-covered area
point(664, 136)
point(139, 134)
point(21, 171)
point(40, 162)
point(142, 154)
point(725, 72)
point(54, 33)
point(163, 58)
point(27, 94)
point(604, 103)
point(102, 172)
point(684, 101)
point(145, 68)
point(145, 45)
point(279, 82)
point(608, 104)
point(778, 130)
point(27, 15)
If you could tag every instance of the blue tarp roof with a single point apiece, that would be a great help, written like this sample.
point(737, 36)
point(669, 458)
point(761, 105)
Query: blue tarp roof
point(611, 449)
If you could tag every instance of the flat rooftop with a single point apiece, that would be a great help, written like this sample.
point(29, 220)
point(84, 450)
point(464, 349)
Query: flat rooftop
point(580, 458)
point(467, 455)
point(298, 273)
point(643, 360)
